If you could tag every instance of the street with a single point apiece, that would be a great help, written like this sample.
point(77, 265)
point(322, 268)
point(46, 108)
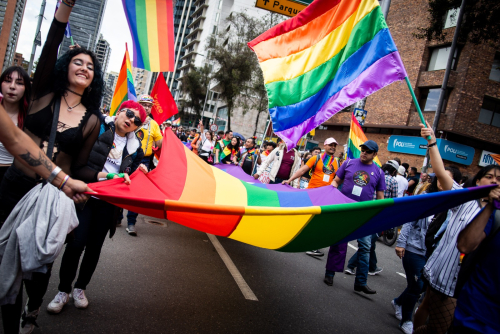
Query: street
point(171, 279)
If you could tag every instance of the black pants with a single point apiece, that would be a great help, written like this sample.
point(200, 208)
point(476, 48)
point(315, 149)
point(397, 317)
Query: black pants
point(94, 223)
point(15, 184)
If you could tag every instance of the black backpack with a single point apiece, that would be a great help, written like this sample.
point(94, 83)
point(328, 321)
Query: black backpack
point(430, 237)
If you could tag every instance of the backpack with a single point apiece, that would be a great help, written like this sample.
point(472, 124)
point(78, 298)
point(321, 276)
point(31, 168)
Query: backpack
point(430, 237)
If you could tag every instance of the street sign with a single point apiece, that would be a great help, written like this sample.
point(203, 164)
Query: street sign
point(360, 115)
point(214, 127)
point(284, 7)
point(38, 39)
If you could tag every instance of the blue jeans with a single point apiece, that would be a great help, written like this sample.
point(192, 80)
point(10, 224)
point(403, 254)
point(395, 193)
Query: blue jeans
point(413, 265)
point(364, 247)
point(353, 261)
point(132, 216)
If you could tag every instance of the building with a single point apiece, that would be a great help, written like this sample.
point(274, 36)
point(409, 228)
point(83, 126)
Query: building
point(103, 53)
point(18, 59)
point(11, 17)
point(85, 23)
point(470, 121)
point(142, 81)
point(110, 85)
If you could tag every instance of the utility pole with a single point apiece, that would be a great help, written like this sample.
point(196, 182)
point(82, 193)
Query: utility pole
point(39, 24)
point(442, 93)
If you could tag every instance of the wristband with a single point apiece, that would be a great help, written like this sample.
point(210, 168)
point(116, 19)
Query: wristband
point(53, 175)
point(121, 175)
point(69, 3)
point(433, 144)
point(66, 178)
point(110, 176)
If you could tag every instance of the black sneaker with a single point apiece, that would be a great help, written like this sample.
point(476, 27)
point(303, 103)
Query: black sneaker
point(328, 280)
point(365, 289)
point(28, 320)
point(315, 252)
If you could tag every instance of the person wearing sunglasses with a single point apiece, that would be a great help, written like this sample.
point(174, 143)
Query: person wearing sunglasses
point(361, 179)
point(116, 153)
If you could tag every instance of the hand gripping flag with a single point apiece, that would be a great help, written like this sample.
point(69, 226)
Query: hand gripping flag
point(151, 24)
point(332, 54)
point(164, 105)
point(188, 191)
point(125, 89)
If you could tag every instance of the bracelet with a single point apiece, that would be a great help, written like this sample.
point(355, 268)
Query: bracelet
point(121, 175)
point(433, 144)
point(53, 175)
point(69, 3)
point(66, 178)
point(110, 176)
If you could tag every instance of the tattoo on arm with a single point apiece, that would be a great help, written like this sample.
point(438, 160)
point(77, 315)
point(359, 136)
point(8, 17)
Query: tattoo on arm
point(42, 160)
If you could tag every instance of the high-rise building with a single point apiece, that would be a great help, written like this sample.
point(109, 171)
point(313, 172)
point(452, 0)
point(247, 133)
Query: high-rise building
point(11, 16)
point(85, 23)
point(110, 85)
point(103, 53)
point(142, 81)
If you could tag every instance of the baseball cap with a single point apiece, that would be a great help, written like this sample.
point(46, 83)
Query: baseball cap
point(401, 170)
point(329, 141)
point(168, 122)
point(371, 145)
point(393, 163)
point(146, 99)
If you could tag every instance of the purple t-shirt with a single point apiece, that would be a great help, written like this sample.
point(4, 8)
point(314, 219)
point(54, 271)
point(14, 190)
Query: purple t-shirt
point(361, 180)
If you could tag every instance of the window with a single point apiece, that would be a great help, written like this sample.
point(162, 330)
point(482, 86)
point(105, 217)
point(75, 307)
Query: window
point(439, 58)
point(490, 112)
point(495, 68)
point(451, 18)
point(430, 97)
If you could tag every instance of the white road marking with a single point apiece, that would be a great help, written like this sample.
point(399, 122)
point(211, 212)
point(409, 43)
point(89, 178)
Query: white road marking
point(401, 274)
point(242, 284)
point(355, 248)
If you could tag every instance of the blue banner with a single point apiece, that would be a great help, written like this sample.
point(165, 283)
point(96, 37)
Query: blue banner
point(449, 150)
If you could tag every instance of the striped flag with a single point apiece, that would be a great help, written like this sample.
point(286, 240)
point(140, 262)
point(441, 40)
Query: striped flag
point(124, 86)
point(151, 24)
point(332, 54)
point(356, 138)
point(177, 121)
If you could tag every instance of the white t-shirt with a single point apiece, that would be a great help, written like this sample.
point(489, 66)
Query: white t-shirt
point(207, 145)
point(114, 159)
point(402, 185)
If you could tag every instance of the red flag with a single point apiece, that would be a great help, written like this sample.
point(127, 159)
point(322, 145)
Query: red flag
point(164, 105)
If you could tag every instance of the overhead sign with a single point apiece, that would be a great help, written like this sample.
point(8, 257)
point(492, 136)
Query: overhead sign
point(284, 7)
point(449, 150)
point(38, 39)
point(486, 159)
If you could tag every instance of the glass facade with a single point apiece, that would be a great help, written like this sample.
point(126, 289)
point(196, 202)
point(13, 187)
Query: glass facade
point(439, 58)
point(490, 112)
point(495, 68)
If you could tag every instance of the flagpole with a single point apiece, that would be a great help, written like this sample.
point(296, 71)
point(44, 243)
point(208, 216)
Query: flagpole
point(38, 26)
point(422, 119)
point(72, 42)
point(265, 132)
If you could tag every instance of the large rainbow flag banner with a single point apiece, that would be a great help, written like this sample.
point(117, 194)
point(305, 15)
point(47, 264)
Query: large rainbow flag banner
point(125, 89)
point(356, 138)
point(151, 24)
point(231, 204)
point(332, 54)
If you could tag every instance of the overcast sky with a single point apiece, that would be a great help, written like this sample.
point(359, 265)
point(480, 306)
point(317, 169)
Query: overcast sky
point(114, 29)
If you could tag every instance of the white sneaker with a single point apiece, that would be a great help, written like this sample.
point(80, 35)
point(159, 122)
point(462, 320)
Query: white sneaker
point(397, 310)
point(57, 304)
point(407, 327)
point(28, 321)
point(79, 298)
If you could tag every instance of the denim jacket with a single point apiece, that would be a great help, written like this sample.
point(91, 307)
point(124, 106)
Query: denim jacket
point(412, 236)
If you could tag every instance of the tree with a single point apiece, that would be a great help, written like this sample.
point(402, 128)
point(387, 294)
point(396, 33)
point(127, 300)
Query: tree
point(480, 24)
point(194, 86)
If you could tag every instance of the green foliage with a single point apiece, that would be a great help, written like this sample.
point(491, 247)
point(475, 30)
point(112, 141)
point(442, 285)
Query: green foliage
point(481, 20)
point(194, 87)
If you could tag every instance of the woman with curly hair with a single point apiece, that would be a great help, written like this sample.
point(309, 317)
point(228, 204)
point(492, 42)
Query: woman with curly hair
point(15, 88)
point(74, 83)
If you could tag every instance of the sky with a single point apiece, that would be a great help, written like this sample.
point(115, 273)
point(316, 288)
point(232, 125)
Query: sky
point(114, 29)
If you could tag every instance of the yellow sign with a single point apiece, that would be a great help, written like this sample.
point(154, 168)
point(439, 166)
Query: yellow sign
point(285, 7)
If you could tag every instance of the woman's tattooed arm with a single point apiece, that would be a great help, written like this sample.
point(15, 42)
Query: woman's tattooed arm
point(41, 161)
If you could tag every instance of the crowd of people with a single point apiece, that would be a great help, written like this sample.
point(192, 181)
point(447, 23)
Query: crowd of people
point(52, 133)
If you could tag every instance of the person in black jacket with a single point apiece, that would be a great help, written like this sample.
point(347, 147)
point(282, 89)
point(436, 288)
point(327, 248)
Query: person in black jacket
point(116, 154)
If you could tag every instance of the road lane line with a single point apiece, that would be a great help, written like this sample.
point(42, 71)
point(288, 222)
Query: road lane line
point(242, 284)
point(401, 274)
point(355, 248)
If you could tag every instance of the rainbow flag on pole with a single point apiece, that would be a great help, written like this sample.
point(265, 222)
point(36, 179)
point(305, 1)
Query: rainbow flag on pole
point(151, 24)
point(177, 121)
point(124, 85)
point(356, 138)
point(332, 54)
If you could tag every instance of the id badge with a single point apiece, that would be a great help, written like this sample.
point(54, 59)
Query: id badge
point(356, 191)
point(326, 178)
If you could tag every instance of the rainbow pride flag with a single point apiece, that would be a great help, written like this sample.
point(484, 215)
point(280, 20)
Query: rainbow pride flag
point(151, 24)
point(125, 89)
point(332, 54)
point(356, 138)
point(235, 205)
point(177, 121)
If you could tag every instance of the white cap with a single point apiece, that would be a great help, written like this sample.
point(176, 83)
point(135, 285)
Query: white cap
point(401, 170)
point(329, 141)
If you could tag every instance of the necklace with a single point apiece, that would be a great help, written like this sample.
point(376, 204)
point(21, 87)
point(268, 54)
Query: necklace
point(69, 90)
point(73, 107)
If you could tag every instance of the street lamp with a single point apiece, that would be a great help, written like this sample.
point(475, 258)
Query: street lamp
point(90, 35)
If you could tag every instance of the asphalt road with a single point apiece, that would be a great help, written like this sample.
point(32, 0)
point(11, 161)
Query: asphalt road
point(171, 279)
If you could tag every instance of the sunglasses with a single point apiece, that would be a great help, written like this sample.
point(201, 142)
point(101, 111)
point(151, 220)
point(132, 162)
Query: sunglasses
point(367, 151)
point(130, 114)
